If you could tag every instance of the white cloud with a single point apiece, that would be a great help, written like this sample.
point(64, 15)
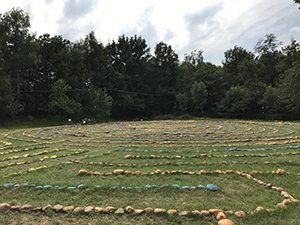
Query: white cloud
point(213, 26)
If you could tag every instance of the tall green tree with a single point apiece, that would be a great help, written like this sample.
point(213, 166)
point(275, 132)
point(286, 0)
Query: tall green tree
point(272, 101)
point(6, 96)
point(129, 75)
point(165, 74)
point(195, 58)
point(60, 103)
point(237, 100)
point(182, 103)
point(187, 69)
point(54, 63)
point(18, 52)
point(213, 78)
point(233, 64)
point(166, 61)
point(291, 53)
point(95, 61)
point(291, 88)
point(199, 96)
point(268, 58)
point(97, 104)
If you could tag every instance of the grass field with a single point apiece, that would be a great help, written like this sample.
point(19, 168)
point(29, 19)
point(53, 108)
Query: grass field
point(162, 164)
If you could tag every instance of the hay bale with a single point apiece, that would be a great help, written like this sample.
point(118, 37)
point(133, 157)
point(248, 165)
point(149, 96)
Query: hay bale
point(15, 207)
point(78, 210)
point(279, 171)
point(99, 209)
point(88, 209)
point(138, 211)
point(183, 213)
point(109, 209)
point(172, 211)
point(4, 206)
point(120, 211)
point(118, 171)
point(215, 211)
point(83, 172)
point(129, 209)
point(149, 210)
point(47, 207)
point(69, 208)
point(196, 213)
point(225, 222)
point(26, 207)
point(240, 214)
point(204, 213)
point(57, 208)
point(220, 215)
point(259, 209)
point(159, 211)
point(280, 205)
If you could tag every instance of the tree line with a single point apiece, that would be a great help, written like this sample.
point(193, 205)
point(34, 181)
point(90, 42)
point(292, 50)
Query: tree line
point(52, 76)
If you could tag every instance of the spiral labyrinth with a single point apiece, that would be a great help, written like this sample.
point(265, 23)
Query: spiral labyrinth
point(189, 167)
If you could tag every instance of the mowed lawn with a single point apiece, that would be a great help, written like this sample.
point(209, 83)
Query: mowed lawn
point(161, 164)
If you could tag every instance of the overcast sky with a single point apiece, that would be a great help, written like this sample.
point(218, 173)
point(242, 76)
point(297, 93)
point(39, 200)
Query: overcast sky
point(213, 26)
